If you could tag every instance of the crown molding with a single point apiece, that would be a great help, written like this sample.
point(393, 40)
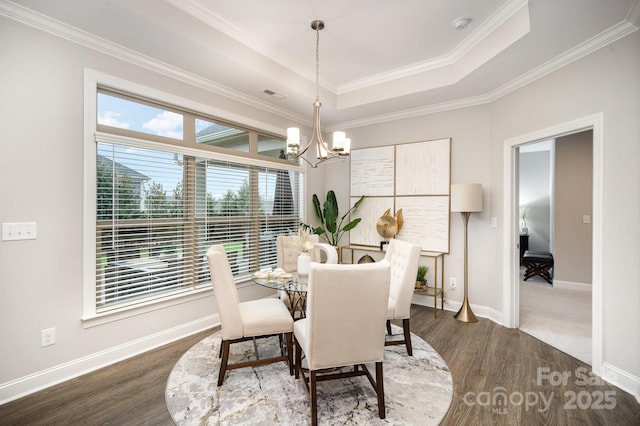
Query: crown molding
point(498, 19)
point(213, 20)
point(411, 113)
point(54, 27)
point(47, 24)
point(618, 31)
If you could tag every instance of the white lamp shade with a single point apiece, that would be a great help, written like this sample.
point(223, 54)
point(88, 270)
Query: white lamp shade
point(293, 136)
point(347, 145)
point(466, 197)
point(338, 141)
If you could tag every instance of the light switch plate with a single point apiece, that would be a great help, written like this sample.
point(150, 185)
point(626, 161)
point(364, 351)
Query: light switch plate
point(18, 231)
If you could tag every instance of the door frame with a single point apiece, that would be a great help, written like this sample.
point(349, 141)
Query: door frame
point(510, 258)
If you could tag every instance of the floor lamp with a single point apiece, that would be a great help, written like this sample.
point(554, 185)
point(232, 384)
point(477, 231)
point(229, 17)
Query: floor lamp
point(466, 198)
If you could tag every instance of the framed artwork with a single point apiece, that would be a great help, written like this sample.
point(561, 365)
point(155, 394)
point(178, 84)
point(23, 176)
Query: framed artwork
point(426, 221)
point(365, 234)
point(372, 172)
point(422, 168)
point(414, 177)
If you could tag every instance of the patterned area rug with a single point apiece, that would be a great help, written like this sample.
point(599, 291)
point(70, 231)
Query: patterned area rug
point(418, 389)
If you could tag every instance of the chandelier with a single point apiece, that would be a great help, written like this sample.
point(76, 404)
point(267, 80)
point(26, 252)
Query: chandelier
point(341, 145)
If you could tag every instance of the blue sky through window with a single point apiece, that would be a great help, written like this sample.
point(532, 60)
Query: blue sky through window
point(165, 167)
point(125, 114)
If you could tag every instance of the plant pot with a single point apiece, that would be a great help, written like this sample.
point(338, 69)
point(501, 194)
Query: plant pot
point(420, 285)
point(339, 253)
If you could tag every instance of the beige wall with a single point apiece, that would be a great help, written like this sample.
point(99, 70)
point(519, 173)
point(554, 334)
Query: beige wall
point(606, 81)
point(41, 180)
point(573, 200)
point(535, 195)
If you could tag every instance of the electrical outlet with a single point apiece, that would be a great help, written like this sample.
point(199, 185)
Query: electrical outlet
point(452, 282)
point(48, 337)
point(19, 231)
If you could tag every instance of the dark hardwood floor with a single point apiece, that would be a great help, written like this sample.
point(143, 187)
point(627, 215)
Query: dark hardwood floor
point(487, 361)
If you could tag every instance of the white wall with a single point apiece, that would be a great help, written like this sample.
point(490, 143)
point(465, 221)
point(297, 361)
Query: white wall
point(41, 117)
point(574, 200)
point(535, 197)
point(606, 81)
point(41, 180)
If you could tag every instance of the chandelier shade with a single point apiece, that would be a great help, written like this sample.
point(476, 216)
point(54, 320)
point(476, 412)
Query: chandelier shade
point(341, 146)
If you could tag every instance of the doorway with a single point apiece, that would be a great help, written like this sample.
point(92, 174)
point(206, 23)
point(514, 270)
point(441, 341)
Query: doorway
point(555, 188)
point(511, 227)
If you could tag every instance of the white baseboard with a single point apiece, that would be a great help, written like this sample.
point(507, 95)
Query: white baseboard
point(568, 285)
point(26, 385)
point(620, 378)
point(613, 375)
point(453, 306)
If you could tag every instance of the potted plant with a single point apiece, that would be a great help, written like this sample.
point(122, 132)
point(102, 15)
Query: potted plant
point(421, 277)
point(523, 215)
point(330, 229)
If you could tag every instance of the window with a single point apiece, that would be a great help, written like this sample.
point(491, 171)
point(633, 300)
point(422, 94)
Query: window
point(160, 205)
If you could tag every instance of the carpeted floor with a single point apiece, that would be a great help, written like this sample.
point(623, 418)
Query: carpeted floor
point(557, 316)
point(418, 390)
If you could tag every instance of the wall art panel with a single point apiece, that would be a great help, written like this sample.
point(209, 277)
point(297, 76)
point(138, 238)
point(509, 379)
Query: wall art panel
point(372, 171)
point(414, 177)
point(426, 222)
point(422, 168)
point(370, 210)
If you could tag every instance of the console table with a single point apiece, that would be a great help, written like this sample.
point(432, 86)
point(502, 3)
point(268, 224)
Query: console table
point(437, 260)
point(524, 244)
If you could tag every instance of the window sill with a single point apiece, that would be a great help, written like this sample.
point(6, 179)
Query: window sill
point(102, 318)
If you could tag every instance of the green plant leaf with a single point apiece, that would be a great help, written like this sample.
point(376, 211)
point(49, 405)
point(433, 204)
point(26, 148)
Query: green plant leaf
point(330, 230)
point(318, 209)
point(331, 212)
point(349, 226)
point(355, 206)
point(319, 230)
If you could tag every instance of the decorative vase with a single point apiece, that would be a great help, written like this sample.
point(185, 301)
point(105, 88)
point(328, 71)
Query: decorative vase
point(331, 255)
point(303, 263)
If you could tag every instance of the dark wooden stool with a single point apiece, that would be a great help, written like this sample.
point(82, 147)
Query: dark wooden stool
point(538, 263)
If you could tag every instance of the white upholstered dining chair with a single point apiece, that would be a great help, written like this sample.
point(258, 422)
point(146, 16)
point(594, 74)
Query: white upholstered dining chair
point(287, 251)
point(344, 326)
point(242, 321)
point(403, 257)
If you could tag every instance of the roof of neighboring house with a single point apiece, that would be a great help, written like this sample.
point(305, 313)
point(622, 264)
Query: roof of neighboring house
point(121, 169)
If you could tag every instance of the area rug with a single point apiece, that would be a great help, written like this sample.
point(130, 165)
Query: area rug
point(418, 389)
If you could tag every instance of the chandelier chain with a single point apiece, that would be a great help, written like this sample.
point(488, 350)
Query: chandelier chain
point(317, 63)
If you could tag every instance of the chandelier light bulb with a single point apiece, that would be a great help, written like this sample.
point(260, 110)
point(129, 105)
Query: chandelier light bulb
point(338, 141)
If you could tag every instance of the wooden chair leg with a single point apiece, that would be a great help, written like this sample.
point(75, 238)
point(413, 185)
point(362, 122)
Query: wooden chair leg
point(407, 336)
point(298, 359)
point(380, 390)
point(289, 339)
point(223, 363)
point(389, 327)
point(314, 400)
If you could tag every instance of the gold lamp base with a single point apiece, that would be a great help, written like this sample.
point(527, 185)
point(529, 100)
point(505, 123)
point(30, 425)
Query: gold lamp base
point(465, 314)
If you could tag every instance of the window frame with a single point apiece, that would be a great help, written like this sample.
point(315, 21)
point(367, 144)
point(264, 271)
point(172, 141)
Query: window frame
point(94, 133)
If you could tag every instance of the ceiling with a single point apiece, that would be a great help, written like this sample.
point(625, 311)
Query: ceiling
point(379, 59)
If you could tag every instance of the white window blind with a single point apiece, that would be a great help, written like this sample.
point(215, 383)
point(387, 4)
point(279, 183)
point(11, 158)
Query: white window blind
point(158, 212)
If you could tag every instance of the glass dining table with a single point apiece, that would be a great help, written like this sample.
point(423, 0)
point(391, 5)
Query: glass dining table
point(291, 286)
